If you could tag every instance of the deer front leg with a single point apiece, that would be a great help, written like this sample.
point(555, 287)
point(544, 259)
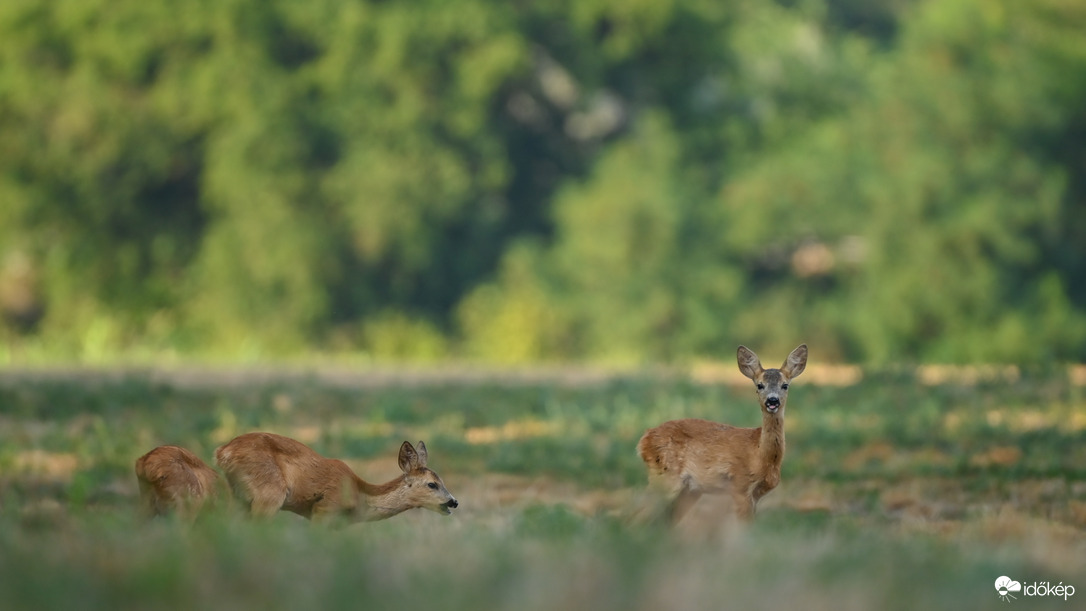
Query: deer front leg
point(744, 505)
point(330, 513)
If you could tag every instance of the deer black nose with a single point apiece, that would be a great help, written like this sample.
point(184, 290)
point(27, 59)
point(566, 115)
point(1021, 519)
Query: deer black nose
point(452, 504)
point(773, 401)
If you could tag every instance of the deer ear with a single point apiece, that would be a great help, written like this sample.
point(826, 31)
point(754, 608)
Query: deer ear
point(409, 458)
point(420, 449)
point(748, 362)
point(796, 362)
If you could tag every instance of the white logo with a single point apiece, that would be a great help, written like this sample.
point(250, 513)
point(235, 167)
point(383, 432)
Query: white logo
point(1004, 586)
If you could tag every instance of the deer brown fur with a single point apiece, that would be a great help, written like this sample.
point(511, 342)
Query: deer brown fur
point(690, 457)
point(269, 473)
point(173, 480)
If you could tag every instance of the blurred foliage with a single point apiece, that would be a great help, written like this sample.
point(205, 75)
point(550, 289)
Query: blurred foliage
point(594, 180)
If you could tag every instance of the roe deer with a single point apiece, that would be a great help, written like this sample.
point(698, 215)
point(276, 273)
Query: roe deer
point(269, 472)
point(691, 457)
point(174, 480)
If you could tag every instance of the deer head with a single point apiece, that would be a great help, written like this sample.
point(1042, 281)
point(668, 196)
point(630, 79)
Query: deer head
point(425, 487)
point(772, 384)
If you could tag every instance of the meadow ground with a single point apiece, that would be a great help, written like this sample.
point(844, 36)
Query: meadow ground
point(901, 490)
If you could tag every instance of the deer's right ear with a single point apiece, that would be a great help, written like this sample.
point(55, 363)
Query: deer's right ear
point(409, 458)
point(748, 362)
point(423, 455)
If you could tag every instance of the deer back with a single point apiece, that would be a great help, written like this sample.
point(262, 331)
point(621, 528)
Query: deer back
point(265, 462)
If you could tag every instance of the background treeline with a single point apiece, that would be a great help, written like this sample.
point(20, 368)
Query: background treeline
point(610, 180)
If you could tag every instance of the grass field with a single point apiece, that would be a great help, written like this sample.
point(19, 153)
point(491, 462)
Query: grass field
point(900, 491)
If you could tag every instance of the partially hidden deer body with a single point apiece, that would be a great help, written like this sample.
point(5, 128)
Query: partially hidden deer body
point(690, 457)
point(173, 480)
point(269, 473)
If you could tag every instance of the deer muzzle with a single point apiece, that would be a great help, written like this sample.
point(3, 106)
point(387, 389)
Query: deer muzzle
point(772, 403)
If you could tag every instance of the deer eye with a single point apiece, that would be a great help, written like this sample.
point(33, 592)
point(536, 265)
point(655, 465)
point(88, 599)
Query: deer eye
point(432, 486)
point(784, 387)
point(761, 387)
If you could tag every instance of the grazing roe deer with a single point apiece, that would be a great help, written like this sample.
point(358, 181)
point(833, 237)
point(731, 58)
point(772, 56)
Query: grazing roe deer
point(691, 457)
point(174, 480)
point(270, 473)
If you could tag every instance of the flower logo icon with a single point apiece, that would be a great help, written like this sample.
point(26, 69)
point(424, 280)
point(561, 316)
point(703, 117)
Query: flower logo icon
point(1004, 586)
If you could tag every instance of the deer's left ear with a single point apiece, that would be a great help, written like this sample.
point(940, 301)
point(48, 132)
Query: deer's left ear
point(796, 362)
point(409, 458)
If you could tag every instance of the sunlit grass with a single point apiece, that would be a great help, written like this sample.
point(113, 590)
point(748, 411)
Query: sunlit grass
point(895, 495)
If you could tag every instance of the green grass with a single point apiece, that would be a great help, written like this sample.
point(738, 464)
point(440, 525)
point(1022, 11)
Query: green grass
point(895, 495)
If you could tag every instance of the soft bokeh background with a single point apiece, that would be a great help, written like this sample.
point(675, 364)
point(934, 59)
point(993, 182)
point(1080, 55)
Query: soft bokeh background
point(611, 181)
point(525, 232)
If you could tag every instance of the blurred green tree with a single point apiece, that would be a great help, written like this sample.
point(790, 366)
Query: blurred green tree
point(931, 223)
point(522, 182)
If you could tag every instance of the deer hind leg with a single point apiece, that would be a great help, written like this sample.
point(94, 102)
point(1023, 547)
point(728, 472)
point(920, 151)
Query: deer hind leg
point(267, 501)
point(678, 496)
point(660, 503)
point(681, 504)
point(149, 505)
point(265, 498)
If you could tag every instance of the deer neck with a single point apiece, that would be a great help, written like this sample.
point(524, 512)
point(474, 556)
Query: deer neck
point(381, 501)
point(771, 442)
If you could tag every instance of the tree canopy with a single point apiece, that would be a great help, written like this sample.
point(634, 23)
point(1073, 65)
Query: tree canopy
point(633, 181)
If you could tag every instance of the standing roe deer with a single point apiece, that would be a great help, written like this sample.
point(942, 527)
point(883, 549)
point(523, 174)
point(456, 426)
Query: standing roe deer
point(270, 472)
point(174, 480)
point(691, 457)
